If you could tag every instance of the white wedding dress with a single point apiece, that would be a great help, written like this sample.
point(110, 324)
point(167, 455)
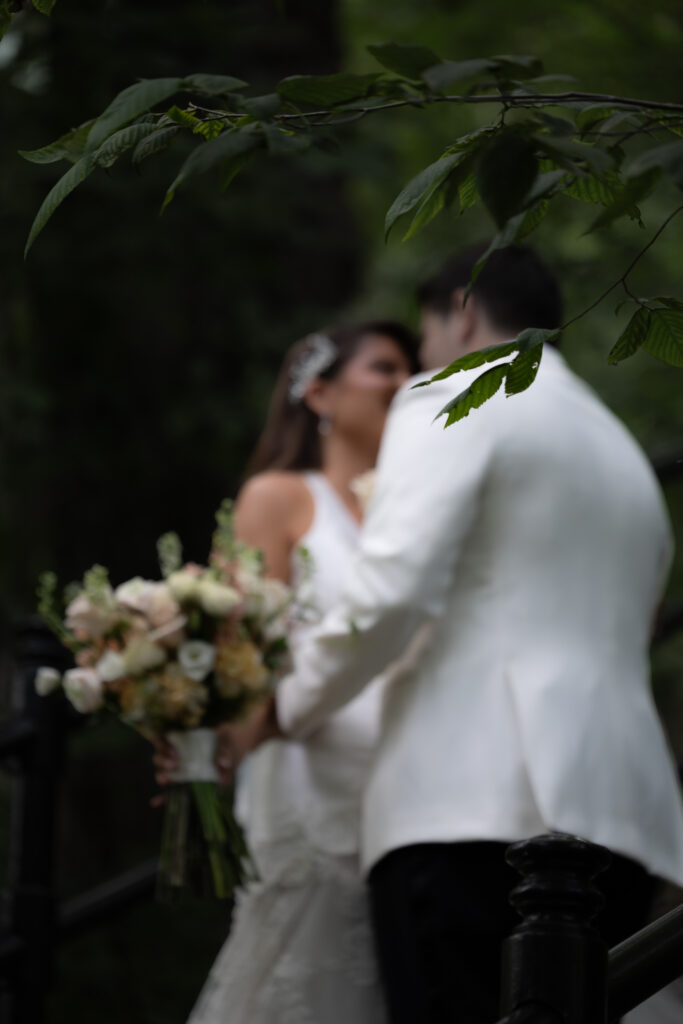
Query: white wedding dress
point(300, 950)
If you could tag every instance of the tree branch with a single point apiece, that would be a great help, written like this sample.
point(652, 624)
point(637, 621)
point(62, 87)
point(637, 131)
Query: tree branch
point(507, 99)
point(622, 280)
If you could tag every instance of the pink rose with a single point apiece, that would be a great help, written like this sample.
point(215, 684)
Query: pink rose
point(89, 620)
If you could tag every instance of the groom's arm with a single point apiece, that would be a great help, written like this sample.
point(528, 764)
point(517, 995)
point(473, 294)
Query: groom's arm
point(426, 497)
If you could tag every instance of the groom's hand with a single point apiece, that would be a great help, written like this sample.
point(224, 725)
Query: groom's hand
point(237, 739)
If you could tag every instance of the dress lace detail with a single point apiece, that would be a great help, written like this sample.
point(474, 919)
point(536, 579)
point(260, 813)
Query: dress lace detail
point(301, 948)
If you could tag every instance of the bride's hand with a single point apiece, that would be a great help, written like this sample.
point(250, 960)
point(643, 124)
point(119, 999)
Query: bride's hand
point(164, 759)
point(237, 739)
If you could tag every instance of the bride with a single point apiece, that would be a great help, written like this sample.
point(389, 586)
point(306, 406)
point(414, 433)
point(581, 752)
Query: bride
point(300, 950)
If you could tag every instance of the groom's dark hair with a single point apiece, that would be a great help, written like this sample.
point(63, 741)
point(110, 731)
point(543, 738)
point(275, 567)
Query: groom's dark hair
point(516, 288)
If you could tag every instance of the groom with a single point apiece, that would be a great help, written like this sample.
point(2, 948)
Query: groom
point(533, 537)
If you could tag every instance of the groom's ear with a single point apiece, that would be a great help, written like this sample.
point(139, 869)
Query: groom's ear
point(465, 314)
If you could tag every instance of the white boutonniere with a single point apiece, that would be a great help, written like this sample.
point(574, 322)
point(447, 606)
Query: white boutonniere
point(363, 487)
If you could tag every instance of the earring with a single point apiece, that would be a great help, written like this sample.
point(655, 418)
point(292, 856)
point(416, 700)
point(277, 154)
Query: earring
point(324, 426)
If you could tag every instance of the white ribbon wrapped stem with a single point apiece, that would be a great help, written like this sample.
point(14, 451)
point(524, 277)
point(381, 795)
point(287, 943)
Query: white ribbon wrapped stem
point(196, 750)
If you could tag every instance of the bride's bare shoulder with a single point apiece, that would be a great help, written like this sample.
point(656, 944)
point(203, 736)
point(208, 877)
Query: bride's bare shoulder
point(274, 485)
point(275, 495)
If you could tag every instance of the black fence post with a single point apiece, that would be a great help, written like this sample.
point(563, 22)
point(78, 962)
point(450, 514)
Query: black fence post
point(30, 895)
point(555, 960)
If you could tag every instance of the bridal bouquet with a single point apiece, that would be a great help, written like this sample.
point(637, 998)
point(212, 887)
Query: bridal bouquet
point(176, 657)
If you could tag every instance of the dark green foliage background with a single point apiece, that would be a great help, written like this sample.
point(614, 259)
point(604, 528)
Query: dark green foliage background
point(137, 352)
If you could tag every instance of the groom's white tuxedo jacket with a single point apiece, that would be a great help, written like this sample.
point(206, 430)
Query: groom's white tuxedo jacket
point(533, 536)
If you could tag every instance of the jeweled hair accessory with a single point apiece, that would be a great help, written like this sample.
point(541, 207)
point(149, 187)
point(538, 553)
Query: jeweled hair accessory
point(321, 352)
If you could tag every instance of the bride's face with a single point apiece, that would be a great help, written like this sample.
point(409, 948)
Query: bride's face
point(360, 396)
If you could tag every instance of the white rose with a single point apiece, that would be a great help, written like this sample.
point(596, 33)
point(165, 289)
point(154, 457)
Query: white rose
point(216, 598)
point(84, 689)
point(197, 659)
point(47, 680)
point(183, 585)
point(141, 655)
point(110, 667)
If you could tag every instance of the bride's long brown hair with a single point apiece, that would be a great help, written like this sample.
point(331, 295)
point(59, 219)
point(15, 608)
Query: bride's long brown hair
point(290, 439)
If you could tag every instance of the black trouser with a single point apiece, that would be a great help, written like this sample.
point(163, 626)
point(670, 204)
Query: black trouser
point(441, 912)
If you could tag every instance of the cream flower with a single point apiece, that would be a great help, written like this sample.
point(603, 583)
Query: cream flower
point(47, 680)
point(84, 689)
point(240, 668)
point(184, 584)
point(150, 598)
point(110, 667)
point(217, 598)
point(363, 487)
point(263, 597)
point(197, 659)
point(141, 655)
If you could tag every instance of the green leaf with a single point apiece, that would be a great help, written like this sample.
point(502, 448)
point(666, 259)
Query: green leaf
point(408, 61)
point(467, 192)
point(506, 236)
point(620, 117)
point(625, 203)
point(632, 337)
point(184, 118)
point(282, 141)
point(449, 72)
point(134, 100)
point(532, 218)
point(5, 17)
point(670, 303)
point(544, 185)
point(58, 193)
point(522, 370)
point(561, 148)
point(326, 90)
point(667, 158)
point(557, 125)
point(592, 115)
point(234, 167)
point(479, 391)
point(263, 108)
point(519, 66)
point(68, 147)
point(217, 155)
point(44, 6)
point(212, 85)
point(665, 336)
point(416, 189)
point(490, 354)
point(592, 189)
point(154, 143)
point(209, 129)
point(506, 171)
point(121, 141)
point(432, 204)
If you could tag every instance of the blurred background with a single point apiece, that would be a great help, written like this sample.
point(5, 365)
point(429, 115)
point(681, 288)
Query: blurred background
point(137, 352)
